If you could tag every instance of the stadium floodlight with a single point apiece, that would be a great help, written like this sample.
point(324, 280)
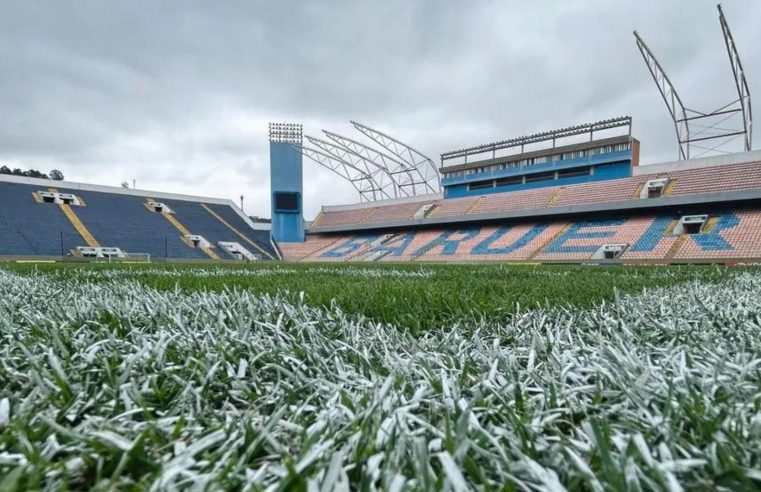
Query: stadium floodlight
point(428, 178)
point(694, 126)
point(286, 133)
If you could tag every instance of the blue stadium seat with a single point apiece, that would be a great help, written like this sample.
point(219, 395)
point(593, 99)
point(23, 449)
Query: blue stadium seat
point(123, 221)
point(31, 228)
point(199, 221)
point(261, 238)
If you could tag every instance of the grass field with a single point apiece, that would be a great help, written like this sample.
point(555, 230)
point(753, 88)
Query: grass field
point(313, 377)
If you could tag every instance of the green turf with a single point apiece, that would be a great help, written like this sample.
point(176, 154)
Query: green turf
point(176, 378)
point(414, 296)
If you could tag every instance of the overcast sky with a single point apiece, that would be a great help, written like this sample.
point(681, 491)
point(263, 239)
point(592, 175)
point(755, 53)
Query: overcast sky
point(177, 94)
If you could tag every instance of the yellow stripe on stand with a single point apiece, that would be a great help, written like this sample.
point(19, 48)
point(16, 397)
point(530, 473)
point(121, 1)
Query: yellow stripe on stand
point(176, 223)
point(236, 231)
point(78, 225)
point(638, 191)
point(548, 242)
point(318, 219)
point(669, 187)
point(555, 197)
point(672, 252)
point(185, 232)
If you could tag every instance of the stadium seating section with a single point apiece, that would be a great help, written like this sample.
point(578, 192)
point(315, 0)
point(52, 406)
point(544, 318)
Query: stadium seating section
point(735, 177)
point(727, 235)
point(30, 227)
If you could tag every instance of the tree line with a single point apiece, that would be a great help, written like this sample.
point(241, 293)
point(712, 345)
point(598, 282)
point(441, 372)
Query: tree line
point(55, 174)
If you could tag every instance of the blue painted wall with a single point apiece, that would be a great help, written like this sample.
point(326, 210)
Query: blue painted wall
point(286, 164)
point(613, 165)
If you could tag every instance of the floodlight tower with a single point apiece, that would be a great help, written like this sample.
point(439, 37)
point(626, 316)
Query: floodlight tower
point(286, 182)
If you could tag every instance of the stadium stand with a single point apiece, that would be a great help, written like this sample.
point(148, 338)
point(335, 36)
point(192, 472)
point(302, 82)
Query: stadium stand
point(33, 223)
point(696, 181)
point(727, 235)
point(704, 210)
point(27, 227)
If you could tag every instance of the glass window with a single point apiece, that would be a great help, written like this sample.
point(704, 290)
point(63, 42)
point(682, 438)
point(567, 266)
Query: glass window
point(533, 178)
point(576, 171)
point(480, 185)
point(510, 180)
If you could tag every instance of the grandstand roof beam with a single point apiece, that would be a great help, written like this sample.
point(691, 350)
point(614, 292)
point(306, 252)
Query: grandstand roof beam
point(408, 154)
point(670, 97)
point(682, 116)
point(408, 177)
point(741, 83)
point(364, 183)
point(382, 177)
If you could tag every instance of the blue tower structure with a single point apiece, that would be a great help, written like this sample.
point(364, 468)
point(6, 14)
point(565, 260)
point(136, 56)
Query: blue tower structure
point(286, 182)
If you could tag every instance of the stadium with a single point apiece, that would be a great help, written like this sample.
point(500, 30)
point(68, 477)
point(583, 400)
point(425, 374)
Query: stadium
point(575, 194)
point(543, 312)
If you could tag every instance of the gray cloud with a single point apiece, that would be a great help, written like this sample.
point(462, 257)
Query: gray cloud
point(178, 94)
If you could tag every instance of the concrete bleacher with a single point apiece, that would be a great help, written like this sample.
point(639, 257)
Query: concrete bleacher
point(743, 176)
point(119, 218)
point(690, 181)
point(28, 228)
point(453, 207)
point(123, 221)
point(727, 235)
point(600, 191)
point(402, 211)
point(301, 251)
point(255, 240)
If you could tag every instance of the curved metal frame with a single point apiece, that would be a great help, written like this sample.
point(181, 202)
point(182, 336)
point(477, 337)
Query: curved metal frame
point(381, 176)
point(683, 117)
point(669, 94)
point(363, 182)
point(743, 92)
point(400, 170)
point(416, 159)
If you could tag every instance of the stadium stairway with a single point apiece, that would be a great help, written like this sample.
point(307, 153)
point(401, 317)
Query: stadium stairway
point(562, 230)
point(123, 221)
point(86, 235)
point(259, 240)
